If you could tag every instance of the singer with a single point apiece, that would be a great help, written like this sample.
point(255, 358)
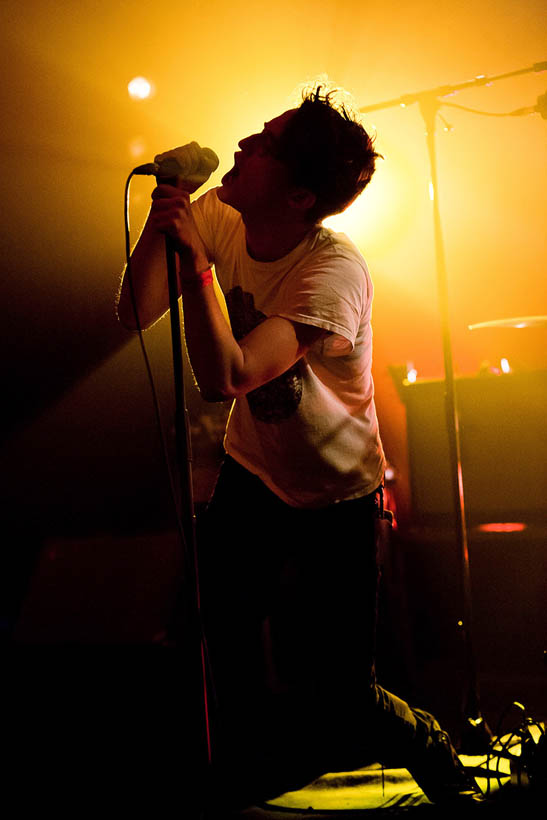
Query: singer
point(287, 548)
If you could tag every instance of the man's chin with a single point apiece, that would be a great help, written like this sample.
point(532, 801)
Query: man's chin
point(224, 196)
point(221, 193)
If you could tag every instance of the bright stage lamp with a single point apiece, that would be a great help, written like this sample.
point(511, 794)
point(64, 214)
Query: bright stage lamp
point(139, 88)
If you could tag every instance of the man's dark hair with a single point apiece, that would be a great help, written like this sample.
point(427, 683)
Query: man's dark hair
point(328, 152)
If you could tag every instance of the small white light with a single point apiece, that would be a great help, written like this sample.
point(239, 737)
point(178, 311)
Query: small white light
point(412, 375)
point(431, 192)
point(505, 366)
point(139, 88)
point(389, 473)
point(137, 147)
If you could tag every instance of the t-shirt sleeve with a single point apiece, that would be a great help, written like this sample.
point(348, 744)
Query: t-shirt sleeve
point(332, 294)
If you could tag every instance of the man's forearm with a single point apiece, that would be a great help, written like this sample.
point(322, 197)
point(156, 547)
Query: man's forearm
point(225, 367)
point(149, 281)
point(215, 355)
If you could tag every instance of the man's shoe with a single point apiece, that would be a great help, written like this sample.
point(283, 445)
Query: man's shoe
point(440, 774)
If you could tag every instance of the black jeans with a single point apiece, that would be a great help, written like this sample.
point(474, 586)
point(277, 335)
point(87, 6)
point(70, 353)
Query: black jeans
point(289, 611)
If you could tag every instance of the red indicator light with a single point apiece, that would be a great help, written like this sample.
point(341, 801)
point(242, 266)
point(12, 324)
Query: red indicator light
point(511, 526)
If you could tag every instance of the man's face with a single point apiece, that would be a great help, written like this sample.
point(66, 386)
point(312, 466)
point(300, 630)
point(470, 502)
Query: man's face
point(258, 184)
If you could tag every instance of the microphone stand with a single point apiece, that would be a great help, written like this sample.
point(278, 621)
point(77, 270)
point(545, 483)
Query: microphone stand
point(475, 733)
point(183, 446)
point(183, 454)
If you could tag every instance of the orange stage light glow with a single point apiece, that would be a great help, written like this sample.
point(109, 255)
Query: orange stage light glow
point(384, 215)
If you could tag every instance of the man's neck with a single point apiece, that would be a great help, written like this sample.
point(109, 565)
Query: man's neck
point(274, 241)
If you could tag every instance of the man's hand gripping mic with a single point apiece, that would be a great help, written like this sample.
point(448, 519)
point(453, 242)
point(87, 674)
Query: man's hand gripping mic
point(186, 167)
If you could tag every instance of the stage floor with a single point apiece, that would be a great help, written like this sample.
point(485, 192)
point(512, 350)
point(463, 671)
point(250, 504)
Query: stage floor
point(373, 792)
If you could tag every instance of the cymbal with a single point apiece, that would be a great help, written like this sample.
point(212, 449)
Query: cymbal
point(519, 322)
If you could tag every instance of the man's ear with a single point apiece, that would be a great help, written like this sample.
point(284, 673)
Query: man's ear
point(302, 199)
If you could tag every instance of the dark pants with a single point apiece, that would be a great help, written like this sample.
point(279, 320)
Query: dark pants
point(289, 610)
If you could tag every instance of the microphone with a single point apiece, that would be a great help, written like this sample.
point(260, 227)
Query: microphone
point(189, 163)
point(148, 169)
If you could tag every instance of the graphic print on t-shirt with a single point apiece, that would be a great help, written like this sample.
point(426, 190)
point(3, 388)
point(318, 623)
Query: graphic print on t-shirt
point(278, 399)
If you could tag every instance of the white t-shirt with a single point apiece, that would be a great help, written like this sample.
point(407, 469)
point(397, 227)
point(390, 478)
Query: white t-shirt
point(311, 434)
